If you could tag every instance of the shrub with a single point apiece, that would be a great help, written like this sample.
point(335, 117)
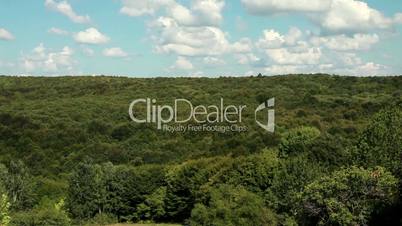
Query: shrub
point(4, 210)
point(47, 213)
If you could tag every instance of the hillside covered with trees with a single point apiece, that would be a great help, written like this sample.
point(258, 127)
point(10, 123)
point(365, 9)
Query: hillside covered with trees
point(71, 155)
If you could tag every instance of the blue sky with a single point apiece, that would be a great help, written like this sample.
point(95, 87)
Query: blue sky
point(200, 37)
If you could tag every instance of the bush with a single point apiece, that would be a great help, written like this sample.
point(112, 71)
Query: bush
point(47, 213)
point(102, 219)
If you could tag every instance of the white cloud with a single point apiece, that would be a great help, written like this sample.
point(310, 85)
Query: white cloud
point(114, 52)
point(200, 13)
point(348, 59)
point(182, 63)
point(188, 41)
point(272, 39)
point(207, 12)
point(213, 61)
point(247, 59)
point(244, 45)
point(292, 56)
point(369, 69)
point(398, 18)
point(42, 59)
point(6, 35)
point(91, 36)
point(285, 49)
point(283, 69)
point(304, 52)
point(65, 8)
point(352, 16)
point(267, 7)
point(366, 69)
point(332, 16)
point(346, 43)
point(191, 32)
point(145, 7)
point(57, 31)
point(294, 34)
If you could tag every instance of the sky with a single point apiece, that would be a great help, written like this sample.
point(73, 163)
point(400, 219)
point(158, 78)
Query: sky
point(148, 38)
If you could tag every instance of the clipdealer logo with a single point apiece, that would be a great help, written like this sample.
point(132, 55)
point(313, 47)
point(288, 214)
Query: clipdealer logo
point(270, 125)
point(177, 117)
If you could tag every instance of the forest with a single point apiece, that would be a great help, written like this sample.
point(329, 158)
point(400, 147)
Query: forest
point(71, 155)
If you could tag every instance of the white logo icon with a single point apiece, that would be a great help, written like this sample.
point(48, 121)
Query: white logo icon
point(270, 126)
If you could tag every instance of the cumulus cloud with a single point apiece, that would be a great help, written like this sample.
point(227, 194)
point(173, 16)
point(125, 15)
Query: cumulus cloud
point(291, 56)
point(347, 43)
point(366, 69)
point(352, 16)
point(398, 18)
point(182, 63)
point(369, 69)
point(244, 45)
point(140, 8)
point(247, 59)
point(186, 31)
point(65, 8)
point(200, 13)
point(332, 16)
point(304, 52)
point(209, 10)
point(91, 36)
point(192, 33)
point(284, 69)
point(114, 52)
point(213, 61)
point(57, 31)
point(42, 59)
point(189, 41)
point(6, 35)
point(267, 7)
point(272, 39)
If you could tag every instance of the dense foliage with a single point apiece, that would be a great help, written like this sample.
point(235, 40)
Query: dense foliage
point(70, 155)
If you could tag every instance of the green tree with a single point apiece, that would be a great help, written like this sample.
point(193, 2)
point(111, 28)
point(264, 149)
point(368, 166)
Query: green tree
point(85, 193)
point(298, 140)
point(4, 210)
point(184, 181)
point(232, 206)
point(348, 196)
point(4, 206)
point(290, 178)
point(18, 184)
point(254, 172)
point(153, 208)
point(381, 142)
